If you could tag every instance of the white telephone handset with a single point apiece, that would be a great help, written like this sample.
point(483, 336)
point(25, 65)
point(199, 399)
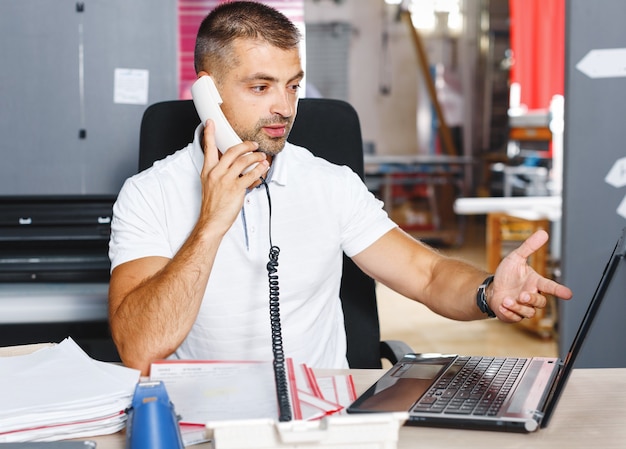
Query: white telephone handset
point(207, 101)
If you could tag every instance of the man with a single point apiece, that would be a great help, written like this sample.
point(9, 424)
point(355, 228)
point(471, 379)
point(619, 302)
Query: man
point(190, 236)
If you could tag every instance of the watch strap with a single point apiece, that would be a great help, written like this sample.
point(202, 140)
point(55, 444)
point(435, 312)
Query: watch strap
point(481, 297)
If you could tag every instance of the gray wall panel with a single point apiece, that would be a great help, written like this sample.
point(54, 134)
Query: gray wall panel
point(595, 136)
point(42, 109)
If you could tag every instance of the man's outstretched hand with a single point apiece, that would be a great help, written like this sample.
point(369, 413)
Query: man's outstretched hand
point(517, 289)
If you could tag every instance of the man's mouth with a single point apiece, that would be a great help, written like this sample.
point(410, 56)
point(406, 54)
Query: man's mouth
point(275, 131)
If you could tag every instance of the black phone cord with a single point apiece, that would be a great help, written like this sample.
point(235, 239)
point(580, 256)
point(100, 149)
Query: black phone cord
point(280, 372)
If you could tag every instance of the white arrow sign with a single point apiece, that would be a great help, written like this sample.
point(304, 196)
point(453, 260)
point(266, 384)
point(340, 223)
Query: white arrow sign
point(621, 209)
point(604, 63)
point(616, 176)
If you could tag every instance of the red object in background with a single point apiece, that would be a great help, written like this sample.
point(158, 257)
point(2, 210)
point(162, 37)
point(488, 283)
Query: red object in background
point(190, 15)
point(537, 34)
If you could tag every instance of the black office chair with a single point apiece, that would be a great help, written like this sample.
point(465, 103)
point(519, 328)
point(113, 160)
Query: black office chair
point(330, 129)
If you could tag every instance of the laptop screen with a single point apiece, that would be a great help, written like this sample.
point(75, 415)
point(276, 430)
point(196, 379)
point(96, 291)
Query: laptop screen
point(617, 255)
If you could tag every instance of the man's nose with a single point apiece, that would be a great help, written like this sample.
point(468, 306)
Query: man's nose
point(284, 105)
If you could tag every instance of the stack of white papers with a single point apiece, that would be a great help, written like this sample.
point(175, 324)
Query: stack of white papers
point(60, 392)
point(203, 391)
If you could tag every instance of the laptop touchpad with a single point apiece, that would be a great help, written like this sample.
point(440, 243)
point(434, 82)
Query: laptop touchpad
point(403, 385)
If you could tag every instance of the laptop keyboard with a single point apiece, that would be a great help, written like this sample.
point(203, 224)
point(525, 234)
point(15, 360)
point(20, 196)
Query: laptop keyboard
point(472, 386)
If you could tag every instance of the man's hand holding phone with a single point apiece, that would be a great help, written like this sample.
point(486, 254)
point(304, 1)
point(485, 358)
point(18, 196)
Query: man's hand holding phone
point(230, 165)
point(224, 182)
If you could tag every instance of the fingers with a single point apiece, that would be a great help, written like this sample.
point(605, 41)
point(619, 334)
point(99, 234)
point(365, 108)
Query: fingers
point(525, 306)
point(554, 288)
point(514, 311)
point(238, 157)
point(209, 148)
point(519, 289)
point(532, 298)
point(532, 244)
point(260, 167)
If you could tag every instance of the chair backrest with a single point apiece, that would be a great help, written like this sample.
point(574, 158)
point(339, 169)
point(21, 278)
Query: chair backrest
point(329, 129)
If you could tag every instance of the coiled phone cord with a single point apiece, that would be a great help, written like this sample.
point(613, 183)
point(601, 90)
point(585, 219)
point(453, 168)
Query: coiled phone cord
point(280, 372)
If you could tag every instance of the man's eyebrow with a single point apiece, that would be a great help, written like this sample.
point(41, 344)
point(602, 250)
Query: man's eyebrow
point(299, 76)
point(266, 77)
point(259, 77)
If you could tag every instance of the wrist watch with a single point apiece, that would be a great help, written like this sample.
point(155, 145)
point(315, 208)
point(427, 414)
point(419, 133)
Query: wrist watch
point(481, 297)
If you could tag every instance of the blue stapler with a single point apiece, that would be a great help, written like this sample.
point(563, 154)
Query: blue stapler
point(152, 421)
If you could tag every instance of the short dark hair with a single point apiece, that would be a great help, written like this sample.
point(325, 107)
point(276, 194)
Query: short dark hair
point(240, 20)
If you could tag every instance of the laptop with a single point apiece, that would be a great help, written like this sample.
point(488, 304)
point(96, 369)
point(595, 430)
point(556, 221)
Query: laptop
point(483, 393)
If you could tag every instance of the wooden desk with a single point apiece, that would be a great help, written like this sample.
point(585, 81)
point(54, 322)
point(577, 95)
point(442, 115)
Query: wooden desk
point(583, 419)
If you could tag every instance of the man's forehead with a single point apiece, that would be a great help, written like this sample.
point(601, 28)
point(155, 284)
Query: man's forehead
point(259, 60)
point(249, 43)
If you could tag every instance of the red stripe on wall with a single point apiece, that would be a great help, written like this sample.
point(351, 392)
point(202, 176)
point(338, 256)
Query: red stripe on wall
point(190, 15)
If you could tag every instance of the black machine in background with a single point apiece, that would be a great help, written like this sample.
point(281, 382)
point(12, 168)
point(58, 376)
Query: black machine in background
point(55, 239)
point(55, 248)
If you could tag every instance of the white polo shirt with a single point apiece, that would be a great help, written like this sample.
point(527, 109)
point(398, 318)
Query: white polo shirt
point(319, 210)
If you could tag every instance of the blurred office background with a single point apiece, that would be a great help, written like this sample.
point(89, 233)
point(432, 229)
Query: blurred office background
point(458, 99)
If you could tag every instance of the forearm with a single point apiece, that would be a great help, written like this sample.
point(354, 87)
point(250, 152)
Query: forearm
point(449, 286)
point(151, 319)
point(452, 289)
point(415, 270)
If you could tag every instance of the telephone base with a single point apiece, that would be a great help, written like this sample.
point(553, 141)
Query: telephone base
point(376, 430)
